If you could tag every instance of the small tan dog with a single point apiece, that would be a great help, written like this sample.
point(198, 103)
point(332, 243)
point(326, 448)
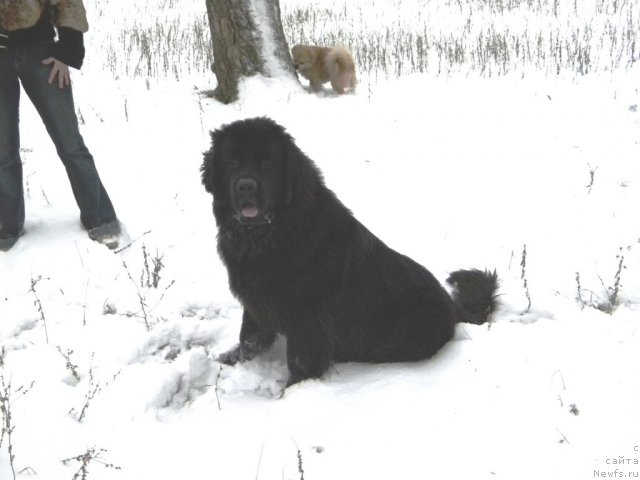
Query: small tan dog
point(320, 65)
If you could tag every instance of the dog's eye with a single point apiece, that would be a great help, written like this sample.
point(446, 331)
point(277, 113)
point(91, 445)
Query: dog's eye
point(266, 164)
point(231, 163)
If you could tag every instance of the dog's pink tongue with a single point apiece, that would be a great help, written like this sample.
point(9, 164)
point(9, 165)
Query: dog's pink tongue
point(249, 212)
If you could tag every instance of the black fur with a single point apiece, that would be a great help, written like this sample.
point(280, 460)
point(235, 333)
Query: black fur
point(303, 266)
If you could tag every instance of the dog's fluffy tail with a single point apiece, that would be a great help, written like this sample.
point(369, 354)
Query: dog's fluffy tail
point(475, 292)
point(342, 69)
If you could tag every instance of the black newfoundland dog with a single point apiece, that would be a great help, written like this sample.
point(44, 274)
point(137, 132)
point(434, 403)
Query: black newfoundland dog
point(301, 265)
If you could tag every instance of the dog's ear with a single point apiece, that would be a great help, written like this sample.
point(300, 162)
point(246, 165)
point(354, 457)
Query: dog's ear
point(314, 53)
point(206, 171)
point(207, 168)
point(303, 177)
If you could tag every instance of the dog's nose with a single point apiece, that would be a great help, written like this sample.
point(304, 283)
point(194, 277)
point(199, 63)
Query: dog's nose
point(246, 186)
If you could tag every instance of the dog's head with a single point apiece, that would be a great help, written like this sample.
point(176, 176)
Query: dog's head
point(304, 57)
point(255, 171)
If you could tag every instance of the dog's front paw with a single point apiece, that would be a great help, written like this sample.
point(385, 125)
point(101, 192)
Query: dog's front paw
point(301, 369)
point(294, 378)
point(231, 357)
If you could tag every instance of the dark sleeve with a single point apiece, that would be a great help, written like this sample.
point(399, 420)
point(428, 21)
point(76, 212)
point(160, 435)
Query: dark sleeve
point(69, 48)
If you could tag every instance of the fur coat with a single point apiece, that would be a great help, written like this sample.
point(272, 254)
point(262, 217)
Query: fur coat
point(29, 22)
point(20, 14)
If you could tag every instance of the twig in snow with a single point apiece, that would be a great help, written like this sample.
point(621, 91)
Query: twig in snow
point(92, 454)
point(613, 292)
point(523, 264)
point(592, 173)
point(120, 250)
point(73, 368)
point(38, 305)
point(7, 397)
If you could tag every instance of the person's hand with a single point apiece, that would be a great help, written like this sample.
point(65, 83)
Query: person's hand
point(60, 70)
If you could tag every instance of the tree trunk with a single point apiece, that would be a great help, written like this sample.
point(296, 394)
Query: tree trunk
point(248, 39)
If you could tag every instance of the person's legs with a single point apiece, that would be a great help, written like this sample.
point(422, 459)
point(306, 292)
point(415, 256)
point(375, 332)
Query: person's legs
point(11, 190)
point(56, 108)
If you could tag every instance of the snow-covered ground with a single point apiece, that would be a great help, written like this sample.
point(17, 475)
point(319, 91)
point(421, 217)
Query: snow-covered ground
point(499, 169)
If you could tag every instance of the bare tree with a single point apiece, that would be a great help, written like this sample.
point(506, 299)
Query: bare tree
point(248, 39)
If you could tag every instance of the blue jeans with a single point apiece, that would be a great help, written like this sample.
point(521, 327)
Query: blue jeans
point(56, 108)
